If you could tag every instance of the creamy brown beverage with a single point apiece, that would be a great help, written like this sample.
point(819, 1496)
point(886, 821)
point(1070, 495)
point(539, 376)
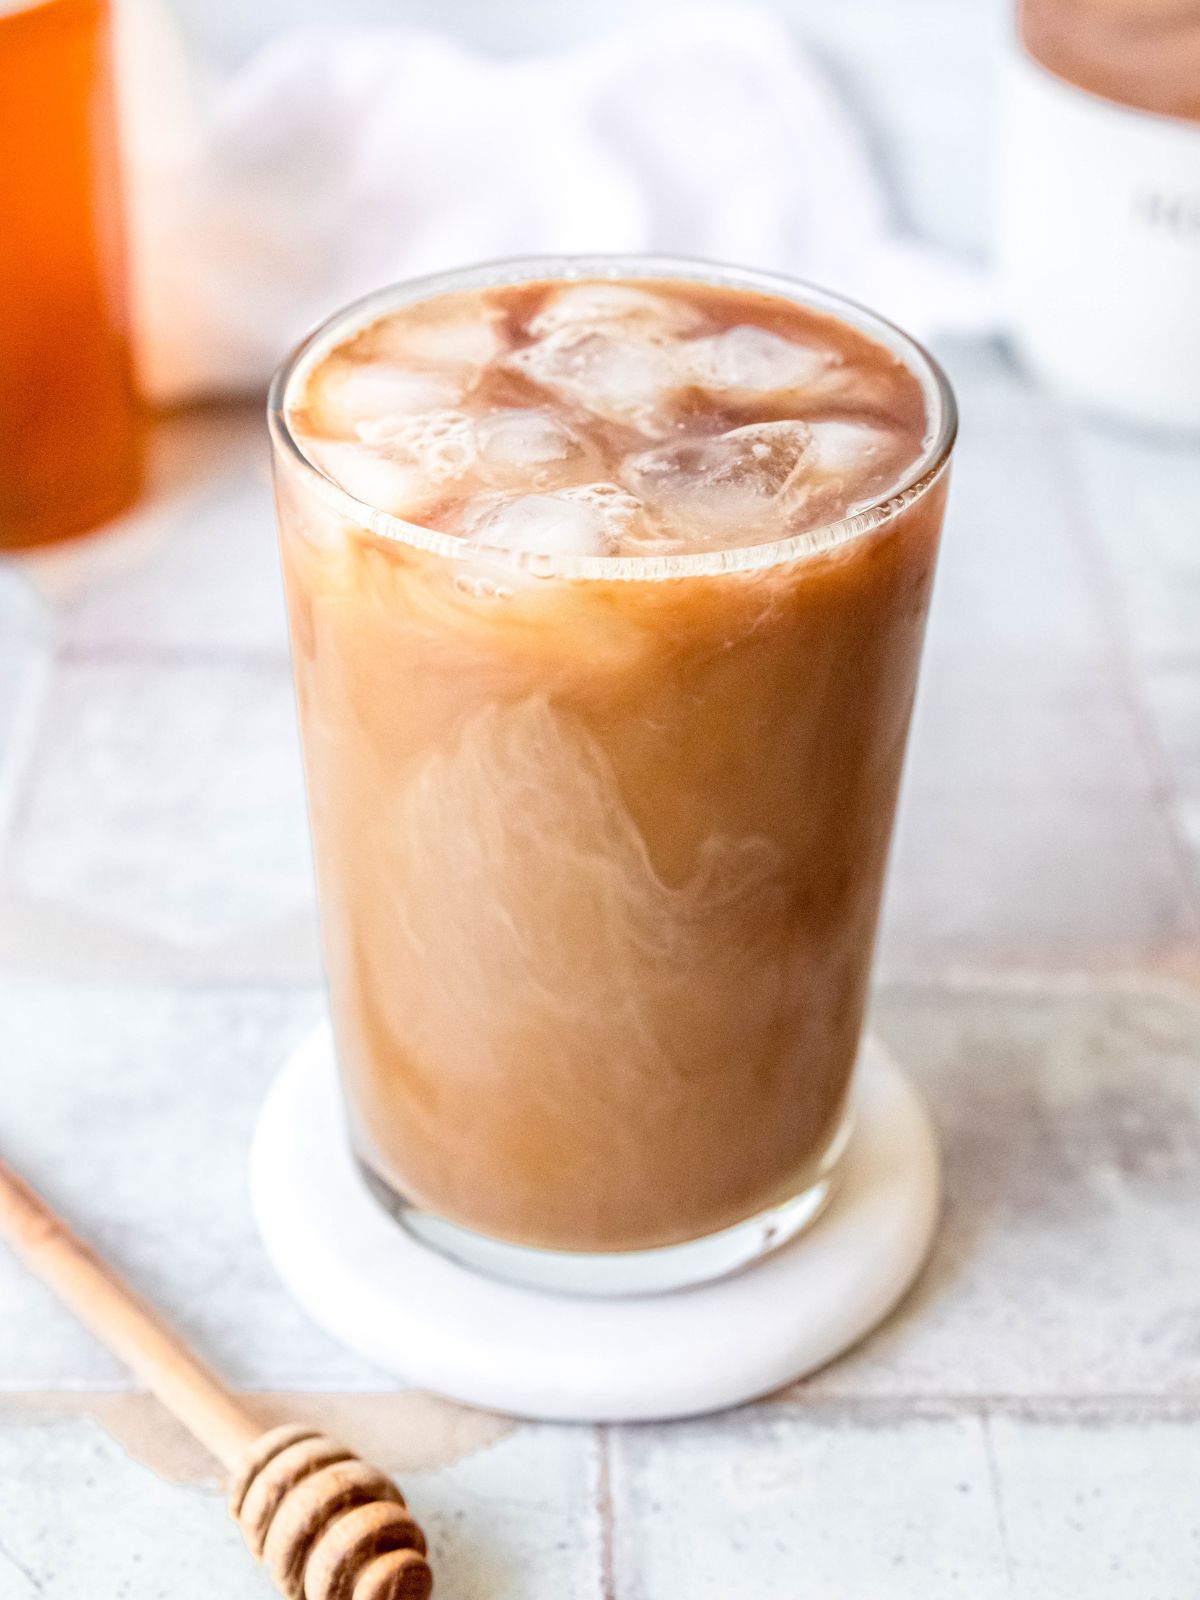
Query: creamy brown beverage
point(607, 597)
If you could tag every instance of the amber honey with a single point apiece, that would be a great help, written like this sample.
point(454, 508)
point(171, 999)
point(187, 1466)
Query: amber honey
point(69, 433)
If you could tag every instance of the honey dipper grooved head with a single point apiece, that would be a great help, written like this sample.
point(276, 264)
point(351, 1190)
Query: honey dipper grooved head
point(328, 1525)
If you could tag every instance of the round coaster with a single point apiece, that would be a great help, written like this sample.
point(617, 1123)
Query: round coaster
point(442, 1327)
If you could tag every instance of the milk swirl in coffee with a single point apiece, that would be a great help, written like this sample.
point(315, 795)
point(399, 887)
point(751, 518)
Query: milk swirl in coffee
point(600, 843)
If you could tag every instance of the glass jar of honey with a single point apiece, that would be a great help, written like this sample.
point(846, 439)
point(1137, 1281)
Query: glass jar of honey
point(69, 425)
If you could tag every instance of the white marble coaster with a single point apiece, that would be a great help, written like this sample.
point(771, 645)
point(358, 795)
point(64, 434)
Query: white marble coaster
point(439, 1326)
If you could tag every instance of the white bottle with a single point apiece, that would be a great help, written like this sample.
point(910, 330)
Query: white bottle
point(1100, 204)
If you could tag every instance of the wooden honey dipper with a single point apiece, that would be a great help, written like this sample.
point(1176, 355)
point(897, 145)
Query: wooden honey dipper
point(327, 1525)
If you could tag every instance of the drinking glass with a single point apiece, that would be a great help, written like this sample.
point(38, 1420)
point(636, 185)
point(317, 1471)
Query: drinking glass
point(600, 845)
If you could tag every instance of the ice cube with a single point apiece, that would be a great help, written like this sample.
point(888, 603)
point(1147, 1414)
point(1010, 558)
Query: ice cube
point(618, 373)
point(441, 444)
point(455, 334)
point(746, 477)
point(592, 303)
point(584, 521)
point(851, 450)
point(523, 439)
point(532, 450)
point(752, 360)
point(544, 524)
point(351, 393)
point(500, 449)
point(619, 509)
point(421, 360)
point(376, 480)
point(857, 462)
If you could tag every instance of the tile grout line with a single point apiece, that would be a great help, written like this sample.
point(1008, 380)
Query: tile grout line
point(604, 1510)
point(35, 1584)
point(1004, 981)
point(130, 654)
point(997, 1492)
point(955, 979)
point(1100, 576)
point(75, 1397)
point(1007, 967)
point(1048, 1403)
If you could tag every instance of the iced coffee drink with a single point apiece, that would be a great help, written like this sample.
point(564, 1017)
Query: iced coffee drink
point(607, 586)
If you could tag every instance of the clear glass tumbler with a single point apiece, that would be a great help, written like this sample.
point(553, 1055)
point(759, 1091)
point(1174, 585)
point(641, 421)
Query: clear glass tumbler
point(600, 846)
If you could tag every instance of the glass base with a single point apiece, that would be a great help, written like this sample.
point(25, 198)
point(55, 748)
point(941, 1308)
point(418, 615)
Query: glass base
point(624, 1272)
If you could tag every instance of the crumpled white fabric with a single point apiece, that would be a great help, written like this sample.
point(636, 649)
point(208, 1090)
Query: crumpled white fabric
point(340, 159)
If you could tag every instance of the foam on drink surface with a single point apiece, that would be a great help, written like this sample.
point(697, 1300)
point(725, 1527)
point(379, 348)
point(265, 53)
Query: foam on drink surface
point(612, 418)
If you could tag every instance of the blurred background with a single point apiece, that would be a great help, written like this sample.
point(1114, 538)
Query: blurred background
point(924, 77)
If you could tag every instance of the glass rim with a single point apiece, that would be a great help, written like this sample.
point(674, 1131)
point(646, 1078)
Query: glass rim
point(942, 413)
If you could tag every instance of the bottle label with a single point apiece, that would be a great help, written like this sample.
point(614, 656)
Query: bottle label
point(1100, 246)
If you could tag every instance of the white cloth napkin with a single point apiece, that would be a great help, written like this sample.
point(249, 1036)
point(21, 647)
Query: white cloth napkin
point(341, 159)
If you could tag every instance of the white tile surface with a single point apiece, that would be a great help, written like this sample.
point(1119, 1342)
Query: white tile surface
point(822, 1503)
point(1069, 1254)
point(79, 1517)
point(133, 1107)
point(1170, 694)
point(1033, 881)
point(1141, 495)
point(516, 1522)
point(163, 808)
point(814, 1503)
point(786, 1505)
point(27, 639)
point(1011, 726)
point(1099, 1506)
point(1013, 578)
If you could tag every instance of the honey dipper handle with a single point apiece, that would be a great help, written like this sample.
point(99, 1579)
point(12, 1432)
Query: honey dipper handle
point(123, 1321)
